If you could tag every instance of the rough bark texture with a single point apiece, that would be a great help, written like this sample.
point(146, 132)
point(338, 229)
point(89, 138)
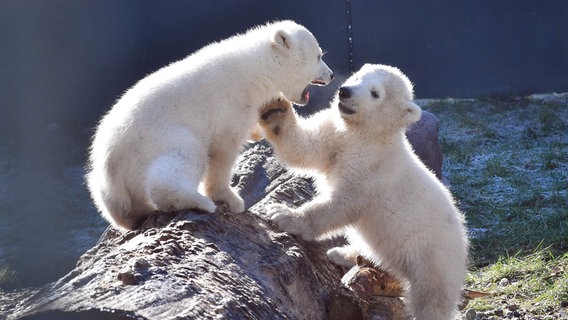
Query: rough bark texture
point(190, 265)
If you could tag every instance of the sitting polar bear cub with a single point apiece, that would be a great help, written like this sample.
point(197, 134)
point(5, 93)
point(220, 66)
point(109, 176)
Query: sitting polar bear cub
point(393, 209)
point(185, 124)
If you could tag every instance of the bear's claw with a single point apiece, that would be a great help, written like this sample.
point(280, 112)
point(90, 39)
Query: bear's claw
point(289, 221)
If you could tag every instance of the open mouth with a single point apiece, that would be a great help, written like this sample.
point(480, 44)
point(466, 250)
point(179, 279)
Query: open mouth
point(344, 109)
point(305, 95)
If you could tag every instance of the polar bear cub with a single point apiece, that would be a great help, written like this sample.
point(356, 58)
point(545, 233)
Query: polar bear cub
point(372, 186)
point(183, 125)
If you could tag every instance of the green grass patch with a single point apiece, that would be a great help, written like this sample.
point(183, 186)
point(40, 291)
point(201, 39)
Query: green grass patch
point(497, 167)
point(536, 282)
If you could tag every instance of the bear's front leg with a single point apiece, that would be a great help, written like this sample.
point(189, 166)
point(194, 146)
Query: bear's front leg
point(218, 178)
point(291, 221)
point(316, 218)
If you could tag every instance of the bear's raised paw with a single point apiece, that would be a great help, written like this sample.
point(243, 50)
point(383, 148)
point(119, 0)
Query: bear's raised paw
point(274, 114)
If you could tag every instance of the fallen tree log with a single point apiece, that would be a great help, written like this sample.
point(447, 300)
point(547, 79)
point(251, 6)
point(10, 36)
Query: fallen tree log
point(190, 265)
point(194, 265)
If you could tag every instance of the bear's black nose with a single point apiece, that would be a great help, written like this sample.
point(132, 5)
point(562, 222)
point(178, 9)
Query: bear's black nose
point(332, 76)
point(344, 93)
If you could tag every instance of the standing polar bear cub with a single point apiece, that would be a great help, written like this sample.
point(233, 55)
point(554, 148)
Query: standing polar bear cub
point(372, 186)
point(184, 125)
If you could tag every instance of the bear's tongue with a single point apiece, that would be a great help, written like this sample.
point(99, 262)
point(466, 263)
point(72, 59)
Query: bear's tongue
point(306, 95)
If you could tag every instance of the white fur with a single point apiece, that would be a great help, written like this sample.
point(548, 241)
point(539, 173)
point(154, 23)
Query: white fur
point(184, 125)
point(373, 187)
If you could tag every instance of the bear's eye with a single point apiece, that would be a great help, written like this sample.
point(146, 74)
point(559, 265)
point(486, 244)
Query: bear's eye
point(319, 57)
point(374, 94)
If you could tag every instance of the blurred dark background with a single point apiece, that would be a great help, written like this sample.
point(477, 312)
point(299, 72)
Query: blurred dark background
point(64, 62)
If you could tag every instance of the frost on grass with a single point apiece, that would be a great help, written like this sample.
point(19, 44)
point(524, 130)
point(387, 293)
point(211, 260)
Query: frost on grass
point(507, 164)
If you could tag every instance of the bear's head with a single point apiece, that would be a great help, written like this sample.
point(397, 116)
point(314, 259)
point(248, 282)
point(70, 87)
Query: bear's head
point(379, 99)
point(298, 60)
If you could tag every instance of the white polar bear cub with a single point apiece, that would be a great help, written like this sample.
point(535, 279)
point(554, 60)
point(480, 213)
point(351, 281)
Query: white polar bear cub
point(394, 210)
point(184, 125)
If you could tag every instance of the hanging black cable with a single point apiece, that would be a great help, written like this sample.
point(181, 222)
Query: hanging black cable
point(349, 35)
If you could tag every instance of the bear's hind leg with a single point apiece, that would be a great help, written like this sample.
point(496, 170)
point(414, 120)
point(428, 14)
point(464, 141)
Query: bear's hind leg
point(173, 180)
point(344, 256)
point(114, 203)
point(117, 210)
point(434, 293)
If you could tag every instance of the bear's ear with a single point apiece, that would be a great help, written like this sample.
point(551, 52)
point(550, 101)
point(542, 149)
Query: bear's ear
point(281, 39)
point(411, 113)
